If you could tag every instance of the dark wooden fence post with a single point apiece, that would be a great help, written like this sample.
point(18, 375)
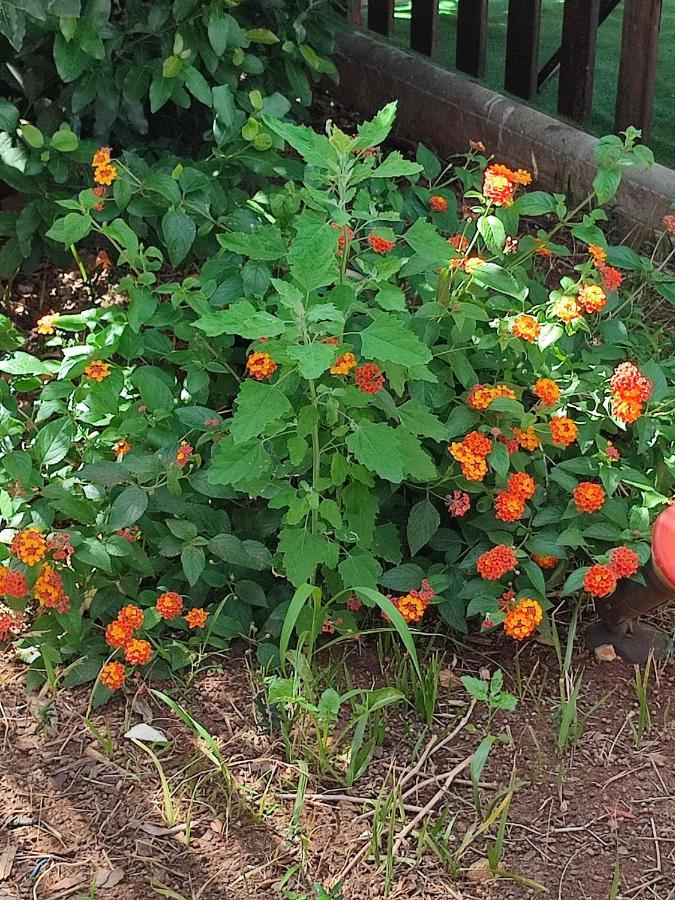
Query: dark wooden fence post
point(354, 14)
point(577, 59)
point(472, 18)
point(424, 26)
point(637, 69)
point(522, 48)
point(381, 16)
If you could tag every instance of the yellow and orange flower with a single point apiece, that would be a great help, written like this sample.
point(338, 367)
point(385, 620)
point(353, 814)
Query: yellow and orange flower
point(547, 391)
point(545, 561)
point(412, 608)
point(526, 327)
point(527, 438)
point(523, 619)
point(563, 431)
point(118, 634)
point(480, 396)
point(589, 497)
point(522, 485)
point(97, 370)
point(567, 309)
point(101, 157)
point(12, 584)
point(344, 364)
point(509, 507)
point(48, 324)
point(196, 618)
point(112, 675)
point(500, 183)
point(138, 652)
point(592, 298)
point(261, 366)
point(459, 242)
point(599, 254)
point(599, 581)
point(29, 545)
point(169, 605)
point(624, 562)
point(105, 174)
point(494, 564)
point(131, 616)
point(438, 204)
point(184, 454)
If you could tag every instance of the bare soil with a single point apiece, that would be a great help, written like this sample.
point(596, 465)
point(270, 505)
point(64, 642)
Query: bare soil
point(82, 805)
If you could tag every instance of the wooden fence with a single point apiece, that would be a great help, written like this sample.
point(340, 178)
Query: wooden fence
point(574, 61)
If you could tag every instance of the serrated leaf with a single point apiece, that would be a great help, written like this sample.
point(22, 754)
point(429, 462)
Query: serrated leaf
point(179, 231)
point(493, 233)
point(388, 340)
point(241, 318)
point(257, 406)
point(372, 133)
point(127, 508)
point(303, 552)
point(232, 462)
point(396, 166)
point(313, 359)
point(360, 569)
point(54, 441)
point(374, 445)
point(498, 279)
point(574, 582)
point(264, 243)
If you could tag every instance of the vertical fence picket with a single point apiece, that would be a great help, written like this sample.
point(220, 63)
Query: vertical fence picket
point(522, 48)
point(577, 59)
point(381, 16)
point(472, 18)
point(354, 13)
point(424, 26)
point(637, 69)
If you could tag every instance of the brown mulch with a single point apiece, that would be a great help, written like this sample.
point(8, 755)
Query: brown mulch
point(81, 804)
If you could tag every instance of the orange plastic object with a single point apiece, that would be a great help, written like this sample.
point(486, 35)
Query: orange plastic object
point(663, 544)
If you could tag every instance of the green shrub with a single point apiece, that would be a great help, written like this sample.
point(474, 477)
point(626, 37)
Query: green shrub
point(283, 416)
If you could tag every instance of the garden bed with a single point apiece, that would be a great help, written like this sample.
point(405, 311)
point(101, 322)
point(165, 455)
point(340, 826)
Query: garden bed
point(76, 808)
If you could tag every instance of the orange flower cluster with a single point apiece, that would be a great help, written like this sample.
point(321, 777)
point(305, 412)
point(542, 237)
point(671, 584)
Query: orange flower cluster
point(169, 605)
point(346, 234)
point(630, 390)
point(589, 497)
point(49, 591)
point(12, 584)
point(11, 622)
point(523, 619)
point(438, 204)
point(344, 364)
point(131, 617)
point(97, 370)
point(458, 503)
point(669, 223)
point(261, 366)
point(138, 652)
point(547, 391)
point(459, 242)
point(130, 534)
point(542, 249)
point(104, 171)
point(624, 562)
point(563, 431)
point(60, 547)
point(47, 324)
point(509, 507)
point(122, 447)
point(522, 485)
point(471, 453)
point(600, 581)
point(379, 244)
point(120, 635)
point(567, 309)
point(369, 378)
point(526, 328)
point(545, 561)
point(527, 438)
point(184, 454)
point(481, 396)
point(112, 675)
point(196, 618)
point(500, 183)
point(592, 298)
point(29, 545)
point(468, 264)
point(494, 564)
point(412, 606)
point(611, 278)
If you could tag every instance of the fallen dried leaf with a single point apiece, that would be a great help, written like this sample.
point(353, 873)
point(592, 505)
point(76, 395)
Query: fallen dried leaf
point(605, 653)
point(7, 861)
point(480, 871)
point(147, 734)
point(108, 878)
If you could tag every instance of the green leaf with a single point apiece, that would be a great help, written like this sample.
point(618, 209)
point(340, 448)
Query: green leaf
point(417, 419)
point(161, 90)
point(313, 359)
point(372, 133)
point(154, 390)
point(70, 60)
point(461, 420)
point(127, 508)
point(243, 319)
point(498, 279)
point(232, 462)
point(606, 183)
point(428, 243)
point(9, 115)
point(21, 363)
point(499, 458)
point(361, 568)
point(303, 552)
point(54, 441)
point(493, 233)
point(257, 407)
point(262, 36)
point(298, 601)
point(655, 373)
point(423, 523)
point(394, 616)
point(193, 561)
point(198, 86)
point(396, 166)
point(246, 554)
point(428, 161)
point(64, 140)
point(388, 340)
point(70, 229)
point(574, 582)
point(265, 242)
point(312, 253)
point(223, 104)
point(179, 232)
point(375, 446)
point(314, 148)
point(536, 203)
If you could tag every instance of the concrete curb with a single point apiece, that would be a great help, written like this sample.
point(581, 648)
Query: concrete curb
point(445, 111)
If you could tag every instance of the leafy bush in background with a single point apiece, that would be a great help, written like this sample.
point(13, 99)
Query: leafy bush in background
point(168, 84)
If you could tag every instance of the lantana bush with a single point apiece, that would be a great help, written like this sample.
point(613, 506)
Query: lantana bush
point(372, 395)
